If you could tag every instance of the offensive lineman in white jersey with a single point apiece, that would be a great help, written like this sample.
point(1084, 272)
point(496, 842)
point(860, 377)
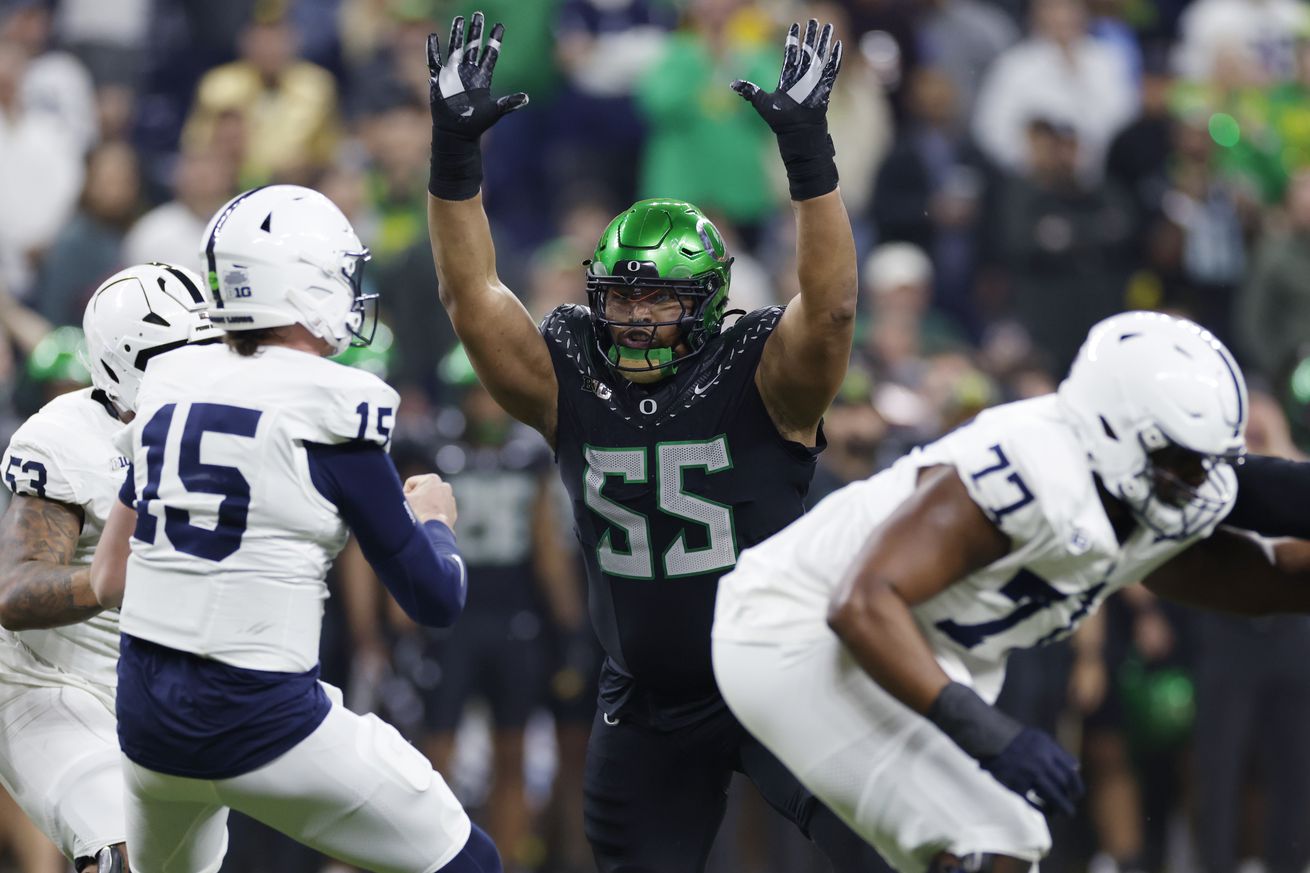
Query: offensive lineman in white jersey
point(250, 461)
point(865, 644)
point(58, 650)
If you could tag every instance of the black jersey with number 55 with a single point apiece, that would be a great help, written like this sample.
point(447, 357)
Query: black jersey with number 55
point(669, 483)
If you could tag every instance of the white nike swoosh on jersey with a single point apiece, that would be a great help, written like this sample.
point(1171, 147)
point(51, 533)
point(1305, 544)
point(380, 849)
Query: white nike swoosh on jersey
point(467, 112)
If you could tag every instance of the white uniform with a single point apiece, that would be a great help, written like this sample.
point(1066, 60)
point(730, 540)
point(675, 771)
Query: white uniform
point(890, 773)
point(228, 562)
point(58, 749)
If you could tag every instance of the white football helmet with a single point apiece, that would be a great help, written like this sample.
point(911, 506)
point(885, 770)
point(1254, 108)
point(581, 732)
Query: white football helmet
point(139, 313)
point(1146, 381)
point(287, 255)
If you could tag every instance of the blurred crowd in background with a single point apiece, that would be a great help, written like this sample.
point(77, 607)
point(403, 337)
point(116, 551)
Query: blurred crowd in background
point(1014, 169)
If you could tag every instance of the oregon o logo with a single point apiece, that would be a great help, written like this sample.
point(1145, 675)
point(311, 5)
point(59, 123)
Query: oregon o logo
point(634, 267)
point(647, 406)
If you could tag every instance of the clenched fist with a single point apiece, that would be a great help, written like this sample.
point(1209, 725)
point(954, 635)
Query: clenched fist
point(431, 499)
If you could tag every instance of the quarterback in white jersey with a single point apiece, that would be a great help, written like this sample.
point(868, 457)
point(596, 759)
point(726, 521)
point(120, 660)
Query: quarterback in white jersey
point(251, 460)
point(865, 644)
point(58, 650)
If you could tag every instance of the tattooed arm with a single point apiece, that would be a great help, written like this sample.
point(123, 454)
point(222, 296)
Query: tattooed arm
point(38, 587)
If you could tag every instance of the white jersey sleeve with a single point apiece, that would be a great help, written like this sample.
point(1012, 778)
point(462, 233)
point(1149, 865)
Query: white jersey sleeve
point(1023, 466)
point(66, 453)
point(32, 465)
point(347, 405)
point(1023, 470)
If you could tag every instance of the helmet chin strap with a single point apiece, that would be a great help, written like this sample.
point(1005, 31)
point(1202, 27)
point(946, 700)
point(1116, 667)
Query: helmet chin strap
point(316, 323)
point(115, 405)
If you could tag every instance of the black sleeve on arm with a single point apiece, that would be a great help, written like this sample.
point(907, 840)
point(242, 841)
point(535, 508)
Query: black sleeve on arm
point(1273, 497)
point(419, 563)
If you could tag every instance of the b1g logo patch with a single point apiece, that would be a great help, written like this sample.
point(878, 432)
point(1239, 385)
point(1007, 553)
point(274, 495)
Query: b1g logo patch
point(237, 282)
point(600, 389)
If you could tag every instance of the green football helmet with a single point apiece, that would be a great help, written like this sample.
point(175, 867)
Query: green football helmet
point(660, 244)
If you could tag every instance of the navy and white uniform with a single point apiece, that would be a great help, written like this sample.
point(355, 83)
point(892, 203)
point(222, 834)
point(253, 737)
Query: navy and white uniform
point(246, 473)
point(900, 782)
point(58, 751)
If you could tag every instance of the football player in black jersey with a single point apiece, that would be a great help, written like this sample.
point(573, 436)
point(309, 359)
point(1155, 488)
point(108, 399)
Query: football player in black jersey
point(680, 442)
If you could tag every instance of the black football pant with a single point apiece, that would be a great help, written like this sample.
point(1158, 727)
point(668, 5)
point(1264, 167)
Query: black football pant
point(654, 799)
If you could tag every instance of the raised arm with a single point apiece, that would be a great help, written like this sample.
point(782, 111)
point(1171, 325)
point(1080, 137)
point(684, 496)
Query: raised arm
point(508, 353)
point(805, 358)
point(39, 588)
point(934, 539)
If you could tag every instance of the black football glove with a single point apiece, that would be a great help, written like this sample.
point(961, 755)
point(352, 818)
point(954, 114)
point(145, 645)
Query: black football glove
point(459, 92)
point(1023, 759)
point(1035, 767)
point(797, 111)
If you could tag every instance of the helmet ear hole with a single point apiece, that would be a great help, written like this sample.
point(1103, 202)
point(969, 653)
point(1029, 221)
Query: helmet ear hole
point(1153, 438)
point(109, 370)
point(1109, 431)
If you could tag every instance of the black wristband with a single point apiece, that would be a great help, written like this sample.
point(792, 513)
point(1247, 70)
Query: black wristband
point(456, 169)
point(807, 153)
point(980, 729)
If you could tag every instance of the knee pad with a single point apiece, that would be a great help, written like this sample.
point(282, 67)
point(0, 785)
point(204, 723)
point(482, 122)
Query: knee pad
point(107, 860)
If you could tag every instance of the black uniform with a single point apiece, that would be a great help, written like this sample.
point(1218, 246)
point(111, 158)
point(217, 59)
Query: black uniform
point(669, 482)
point(497, 648)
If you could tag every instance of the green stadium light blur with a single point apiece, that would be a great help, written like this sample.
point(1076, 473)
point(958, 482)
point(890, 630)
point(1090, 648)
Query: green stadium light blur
point(1224, 129)
point(1300, 381)
point(58, 357)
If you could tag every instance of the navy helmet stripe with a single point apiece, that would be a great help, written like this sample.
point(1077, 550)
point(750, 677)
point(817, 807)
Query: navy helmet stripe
point(196, 296)
point(1237, 386)
point(211, 261)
